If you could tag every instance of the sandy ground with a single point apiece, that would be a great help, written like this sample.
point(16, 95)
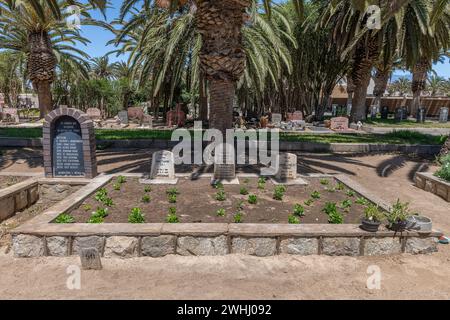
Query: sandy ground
point(244, 277)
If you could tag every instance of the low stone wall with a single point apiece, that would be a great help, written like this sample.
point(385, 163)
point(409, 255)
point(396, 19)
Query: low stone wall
point(428, 182)
point(18, 197)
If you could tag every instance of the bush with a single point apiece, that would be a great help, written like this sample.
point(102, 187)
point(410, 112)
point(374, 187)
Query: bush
point(293, 219)
point(373, 213)
point(108, 202)
point(346, 204)
point(172, 216)
point(96, 219)
point(340, 186)
point(64, 218)
point(252, 199)
point(172, 191)
point(136, 216)
point(444, 170)
point(399, 212)
point(243, 191)
point(299, 210)
point(98, 216)
point(279, 192)
point(262, 183)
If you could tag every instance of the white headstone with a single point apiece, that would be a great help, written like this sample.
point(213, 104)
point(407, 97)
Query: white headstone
point(287, 167)
point(276, 119)
point(224, 164)
point(123, 117)
point(443, 115)
point(163, 165)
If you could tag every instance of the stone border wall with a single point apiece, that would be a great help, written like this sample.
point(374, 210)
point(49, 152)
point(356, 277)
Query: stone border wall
point(428, 182)
point(87, 135)
point(18, 197)
point(40, 237)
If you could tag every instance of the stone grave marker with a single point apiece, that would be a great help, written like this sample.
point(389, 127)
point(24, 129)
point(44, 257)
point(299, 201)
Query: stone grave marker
point(135, 113)
point(276, 119)
point(339, 123)
point(163, 169)
point(123, 117)
point(69, 144)
point(443, 115)
point(420, 116)
point(94, 113)
point(224, 164)
point(398, 114)
point(334, 110)
point(297, 116)
point(287, 170)
point(10, 115)
point(90, 259)
point(384, 112)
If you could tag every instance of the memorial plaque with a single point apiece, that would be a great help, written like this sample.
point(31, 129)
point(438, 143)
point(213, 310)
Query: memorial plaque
point(287, 167)
point(90, 259)
point(276, 119)
point(443, 115)
point(224, 164)
point(163, 165)
point(67, 148)
point(339, 123)
point(123, 117)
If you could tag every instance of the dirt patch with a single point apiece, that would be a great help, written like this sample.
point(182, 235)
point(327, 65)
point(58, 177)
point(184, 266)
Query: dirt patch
point(196, 202)
point(8, 181)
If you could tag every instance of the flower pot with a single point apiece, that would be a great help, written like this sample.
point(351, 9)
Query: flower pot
point(370, 225)
point(421, 223)
point(399, 226)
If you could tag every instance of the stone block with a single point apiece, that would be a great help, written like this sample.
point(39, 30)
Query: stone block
point(6, 208)
point(261, 247)
point(382, 246)
point(57, 246)
point(340, 246)
point(159, 246)
point(123, 247)
point(27, 246)
point(202, 246)
point(55, 192)
point(87, 242)
point(419, 181)
point(299, 246)
point(21, 200)
point(33, 195)
point(421, 245)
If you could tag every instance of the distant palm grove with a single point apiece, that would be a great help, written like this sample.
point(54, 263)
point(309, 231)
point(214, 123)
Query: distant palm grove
point(259, 56)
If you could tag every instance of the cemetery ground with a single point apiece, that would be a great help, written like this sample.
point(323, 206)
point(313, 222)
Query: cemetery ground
point(389, 176)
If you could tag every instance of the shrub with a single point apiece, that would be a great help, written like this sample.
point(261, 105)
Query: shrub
point(324, 182)
point(221, 196)
point(292, 219)
point(117, 186)
point(362, 201)
point(252, 199)
point(65, 218)
point(315, 195)
point(220, 212)
point(172, 198)
point(399, 212)
point(299, 210)
point(243, 191)
point(350, 193)
point(147, 189)
point(146, 198)
point(136, 216)
point(237, 217)
point(121, 179)
point(308, 202)
point(373, 213)
point(279, 192)
point(444, 171)
point(172, 216)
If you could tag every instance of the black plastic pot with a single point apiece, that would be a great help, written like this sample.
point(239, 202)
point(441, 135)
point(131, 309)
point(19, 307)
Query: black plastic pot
point(370, 225)
point(399, 226)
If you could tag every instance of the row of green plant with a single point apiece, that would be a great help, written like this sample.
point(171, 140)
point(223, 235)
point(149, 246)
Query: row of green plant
point(444, 171)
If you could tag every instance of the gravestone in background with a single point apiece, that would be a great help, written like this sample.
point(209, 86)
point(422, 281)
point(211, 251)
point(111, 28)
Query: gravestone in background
point(334, 110)
point(69, 144)
point(135, 113)
point(398, 116)
point(123, 117)
point(384, 112)
point(420, 116)
point(297, 116)
point(225, 165)
point(94, 113)
point(339, 123)
point(287, 167)
point(10, 115)
point(443, 115)
point(163, 169)
point(276, 119)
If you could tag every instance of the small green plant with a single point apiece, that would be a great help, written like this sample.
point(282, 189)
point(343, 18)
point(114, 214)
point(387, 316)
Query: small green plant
point(96, 219)
point(220, 195)
point(218, 185)
point(262, 180)
point(100, 212)
point(261, 183)
point(172, 191)
point(146, 198)
point(121, 179)
point(87, 207)
point(172, 198)
point(340, 186)
point(172, 216)
point(350, 193)
point(373, 213)
point(148, 189)
point(399, 212)
point(324, 182)
point(308, 202)
point(243, 191)
point(362, 201)
point(237, 217)
point(136, 216)
point(246, 180)
point(444, 171)
point(331, 190)
point(252, 199)
point(347, 203)
point(101, 195)
point(240, 205)
point(334, 216)
point(315, 195)
point(108, 202)
point(65, 218)
point(292, 219)
point(279, 192)
point(117, 186)
point(220, 212)
point(299, 211)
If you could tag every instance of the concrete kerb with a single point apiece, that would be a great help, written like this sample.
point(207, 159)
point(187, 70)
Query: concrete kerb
point(212, 239)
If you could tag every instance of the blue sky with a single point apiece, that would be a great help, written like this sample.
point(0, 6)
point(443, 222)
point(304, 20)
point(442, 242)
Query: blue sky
point(99, 37)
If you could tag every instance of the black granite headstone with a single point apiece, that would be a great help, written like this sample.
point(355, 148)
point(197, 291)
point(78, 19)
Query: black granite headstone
point(384, 112)
point(67, 147)
point(420, 116)
point(398, 114)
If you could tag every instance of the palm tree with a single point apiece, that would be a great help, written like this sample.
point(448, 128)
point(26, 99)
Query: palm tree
point(39, 30)
point(402, 85)
point(435, 85)
point(100, 68)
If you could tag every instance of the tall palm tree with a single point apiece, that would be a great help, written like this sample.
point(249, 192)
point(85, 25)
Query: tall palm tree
point(39, 29)
point(435, 85)
point(100, 68)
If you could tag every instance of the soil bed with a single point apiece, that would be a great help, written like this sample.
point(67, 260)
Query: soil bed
point(8, 181)
point(196, 202)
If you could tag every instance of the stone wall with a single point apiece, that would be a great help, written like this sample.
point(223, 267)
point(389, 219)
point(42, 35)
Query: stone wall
point(430, 183)
point(18, 197)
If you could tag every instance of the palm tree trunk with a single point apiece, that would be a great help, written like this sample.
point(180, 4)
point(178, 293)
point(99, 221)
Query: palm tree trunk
point(419, 82)
point(381, 81)
point(203, 99)
point(221, 101)
point(44, 97)
point(359, 110)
